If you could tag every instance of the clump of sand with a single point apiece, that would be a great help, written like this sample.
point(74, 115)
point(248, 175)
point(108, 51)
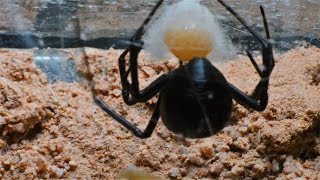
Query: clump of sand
point(56, 131)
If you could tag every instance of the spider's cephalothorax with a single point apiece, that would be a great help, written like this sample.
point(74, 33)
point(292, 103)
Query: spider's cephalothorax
point(195, 99)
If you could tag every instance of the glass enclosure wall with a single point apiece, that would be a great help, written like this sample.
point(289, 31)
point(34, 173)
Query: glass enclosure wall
point(58, 23)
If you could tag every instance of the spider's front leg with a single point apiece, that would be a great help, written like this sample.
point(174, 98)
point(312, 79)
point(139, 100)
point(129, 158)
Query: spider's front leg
point(259, 98)
point(131, 127)
point(130, 91)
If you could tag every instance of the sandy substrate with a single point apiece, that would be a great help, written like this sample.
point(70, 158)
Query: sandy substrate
point(56, 131)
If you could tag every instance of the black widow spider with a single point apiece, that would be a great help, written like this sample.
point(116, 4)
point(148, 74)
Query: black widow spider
point(195, 100)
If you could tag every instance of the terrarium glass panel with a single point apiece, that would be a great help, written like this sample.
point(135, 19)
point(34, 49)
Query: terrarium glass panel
point(86, 92)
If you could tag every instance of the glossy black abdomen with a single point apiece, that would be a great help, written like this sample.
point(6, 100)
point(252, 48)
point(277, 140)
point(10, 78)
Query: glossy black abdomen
point(196, 102)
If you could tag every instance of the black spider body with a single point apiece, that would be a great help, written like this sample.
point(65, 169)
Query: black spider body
point(196, 101)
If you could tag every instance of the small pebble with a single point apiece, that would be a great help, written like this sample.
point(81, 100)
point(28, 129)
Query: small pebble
point(174, 173)
point(223, 148)
point(59, 172)
point(194, 159)
point(217, 169)
point(59, 147)
point(3, 121)
point(237, 171)
point(275, 166)
point(19, 128)
point(259, 167)
point(206, 152)
point(2, 144)
point(73, 164)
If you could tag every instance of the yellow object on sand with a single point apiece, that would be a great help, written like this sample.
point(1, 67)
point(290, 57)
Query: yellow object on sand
point(187, 44)
point(134, 174)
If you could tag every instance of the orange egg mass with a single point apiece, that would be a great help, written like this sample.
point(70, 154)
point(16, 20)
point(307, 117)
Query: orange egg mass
point(187, 44)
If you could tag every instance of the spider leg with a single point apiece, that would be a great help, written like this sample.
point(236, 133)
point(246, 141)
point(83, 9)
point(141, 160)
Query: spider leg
point(265, 23)
point(148, 92)
point(244, 23)
point(258, 90)
point(256, 66)
point(267, 53)
point(258, 101)
point(135, 130)
point(134, 50)
point(259, 98)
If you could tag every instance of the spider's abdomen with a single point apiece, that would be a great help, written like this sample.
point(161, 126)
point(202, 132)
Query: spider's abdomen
point(196, 102)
